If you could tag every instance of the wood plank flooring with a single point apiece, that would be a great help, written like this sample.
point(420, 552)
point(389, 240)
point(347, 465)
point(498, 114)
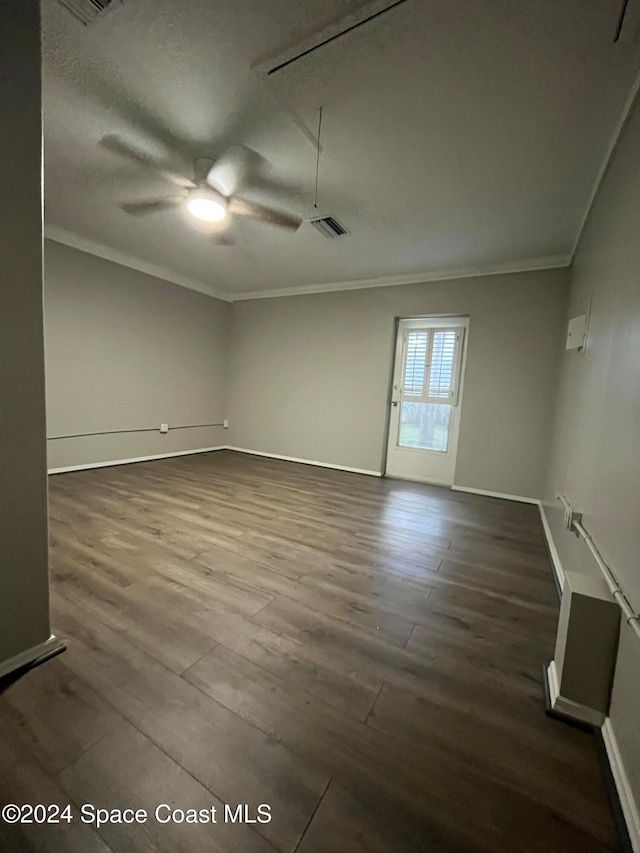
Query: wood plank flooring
point(362, 655)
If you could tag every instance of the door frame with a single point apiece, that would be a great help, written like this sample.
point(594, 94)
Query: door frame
point(397, 349)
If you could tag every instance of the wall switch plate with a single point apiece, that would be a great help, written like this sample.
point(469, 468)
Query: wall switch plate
point(576, 332)
point(225, 423)
point(164, 427)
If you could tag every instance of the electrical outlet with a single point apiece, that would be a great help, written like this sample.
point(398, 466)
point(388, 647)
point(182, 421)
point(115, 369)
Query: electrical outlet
point(164, 428)
point(225, 423)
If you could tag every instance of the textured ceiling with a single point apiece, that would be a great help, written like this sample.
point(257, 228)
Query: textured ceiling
point(457, 135)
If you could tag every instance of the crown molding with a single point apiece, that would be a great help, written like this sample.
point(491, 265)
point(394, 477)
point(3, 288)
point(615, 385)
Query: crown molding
point(91, 247)
point(75, 241)
point(530, 265)
point(67, 238)
point(606, 162)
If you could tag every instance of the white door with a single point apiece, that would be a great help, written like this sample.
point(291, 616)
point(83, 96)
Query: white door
point(426, 399)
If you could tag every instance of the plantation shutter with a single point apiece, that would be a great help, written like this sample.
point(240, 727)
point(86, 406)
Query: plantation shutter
point(416, 354)
point(431, 368)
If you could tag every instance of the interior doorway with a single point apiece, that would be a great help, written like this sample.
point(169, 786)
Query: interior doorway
point(426, 399)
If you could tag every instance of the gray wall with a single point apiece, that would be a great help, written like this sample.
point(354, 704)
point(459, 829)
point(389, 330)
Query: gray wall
point(309, 375)
point(126, 350)
point(596, 451)
point(24, 594)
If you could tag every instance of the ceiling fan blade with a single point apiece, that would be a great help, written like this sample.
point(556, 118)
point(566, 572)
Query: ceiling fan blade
point(242, 207)
point(123, 149)
point(154, 205)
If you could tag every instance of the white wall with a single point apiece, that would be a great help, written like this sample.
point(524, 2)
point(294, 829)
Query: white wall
point(126, 350)
point(309, 375)
point(596, 452)
point(24, 593)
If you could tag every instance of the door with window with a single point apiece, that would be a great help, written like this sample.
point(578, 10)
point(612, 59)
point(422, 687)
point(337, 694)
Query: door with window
point(426, 399)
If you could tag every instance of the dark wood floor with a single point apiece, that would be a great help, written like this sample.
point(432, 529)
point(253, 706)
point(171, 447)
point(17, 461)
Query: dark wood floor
point(362, 655)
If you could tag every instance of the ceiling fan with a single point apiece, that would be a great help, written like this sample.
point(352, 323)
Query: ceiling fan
point(210, 196)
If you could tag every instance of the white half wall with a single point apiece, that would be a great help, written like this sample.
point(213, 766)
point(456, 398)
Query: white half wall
point(126, 350)
point(309, 375)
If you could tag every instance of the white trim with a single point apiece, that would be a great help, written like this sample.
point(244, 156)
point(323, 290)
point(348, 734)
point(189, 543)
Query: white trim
point(209, 450)
point(82, 244)
point(501, 495)
point(530, 265)
point(133, 459)
point(613, 144)
point(306, 461)
point(60, 235)
point(425, 480)
point(49, 647)
point(567, 707)
point(91, 247)
point(435, 321)
point(623, 787)
point(553, 551)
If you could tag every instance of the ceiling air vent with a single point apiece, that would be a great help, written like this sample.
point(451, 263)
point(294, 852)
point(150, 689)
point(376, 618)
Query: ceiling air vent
point(329, 227)
point(87, 11)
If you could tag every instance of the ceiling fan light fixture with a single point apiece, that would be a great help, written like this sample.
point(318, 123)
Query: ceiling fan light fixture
point(207, 206)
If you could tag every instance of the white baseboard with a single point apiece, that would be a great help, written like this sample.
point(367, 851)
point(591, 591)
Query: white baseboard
point(133, 459)
point(553, 551)
point(621, 780)
point(567, 707)
point(426, 481)
point(500, 495)
point(306, 461)
point(47, 649)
